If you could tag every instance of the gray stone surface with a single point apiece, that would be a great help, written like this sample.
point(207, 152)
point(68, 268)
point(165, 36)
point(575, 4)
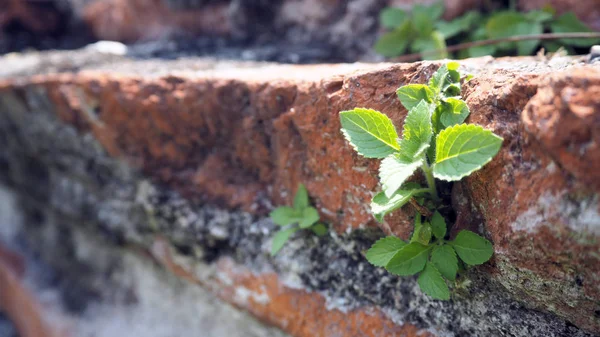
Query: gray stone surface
point(84, 213)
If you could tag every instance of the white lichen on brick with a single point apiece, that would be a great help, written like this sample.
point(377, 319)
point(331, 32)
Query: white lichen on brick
point(581, 216)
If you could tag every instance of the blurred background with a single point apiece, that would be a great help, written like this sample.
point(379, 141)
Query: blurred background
point(298, 31)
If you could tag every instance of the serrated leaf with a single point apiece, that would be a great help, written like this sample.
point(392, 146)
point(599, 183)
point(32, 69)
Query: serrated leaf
point(569, 23)
point(416, 132)
point(438, 225)
point(446, 76)
point(431, 283)
point(463, 149)
point(319, 229)
point(392, 17)
point(309, 217)
point(301, 198)
point(444, 259)
point(370, 132)
point(453, 111)
point(412, 94)
point(383, 250)
point(393, 172)
point(281, 238)
point(284, 215)
point(394, 43)
point(409, 260)
point(472, 248)
point(422, 233)
point(382, 205)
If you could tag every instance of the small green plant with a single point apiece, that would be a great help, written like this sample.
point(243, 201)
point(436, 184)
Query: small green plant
point(436, 141)
point(292, 219)
point(422, 31)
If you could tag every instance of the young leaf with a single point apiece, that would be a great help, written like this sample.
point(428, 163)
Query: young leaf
point(417, 131)
point(472, 248)
point(569, 23)
point(370, 132)
point(319, 229)
point(394, 43)
point(444, 77)
point(281, 238)
point(309, 217)
point(412, 94)
point(422, 233)
point(453, 111)
point(383, 250)
point(284, 215)
point(438, 226)
point(392, 17)
point(393, 172)
point(431, 283)
point(301, 198)
point(382, 205)
point(409, 260)
point(444, 259)
point(462, 149)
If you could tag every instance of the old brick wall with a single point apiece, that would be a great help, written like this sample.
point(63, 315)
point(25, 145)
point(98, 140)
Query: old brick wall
point(123, 170)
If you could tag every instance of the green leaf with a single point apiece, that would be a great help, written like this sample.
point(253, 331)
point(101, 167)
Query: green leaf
point(319, 229)
point(438, 226)
point(382, 205)
point(394, 43)
point(284, 215)
point(453, 111)
point(481, 34)
point(422, 20)
point(431, 283)
point(392, 17)
point(446, 76)
point(444, 259)
point(569, 23)
point(370, 132)
point(422, 233)
point(506, 24)
point(458, 25)
point(309, 217)
point(463, 149)
point(412, 94)
point(382, 251)
point(409, 260)
point(281, 238)
point(393, 172)
point(472, 248)
point(433, 11)
point(539, 16)
point(301, 198)
point(429, 43)
point(416, 132)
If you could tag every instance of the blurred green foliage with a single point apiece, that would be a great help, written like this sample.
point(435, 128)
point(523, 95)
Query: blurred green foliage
point(423, 29)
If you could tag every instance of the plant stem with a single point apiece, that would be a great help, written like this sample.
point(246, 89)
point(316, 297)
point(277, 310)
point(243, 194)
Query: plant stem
point(430, 181)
